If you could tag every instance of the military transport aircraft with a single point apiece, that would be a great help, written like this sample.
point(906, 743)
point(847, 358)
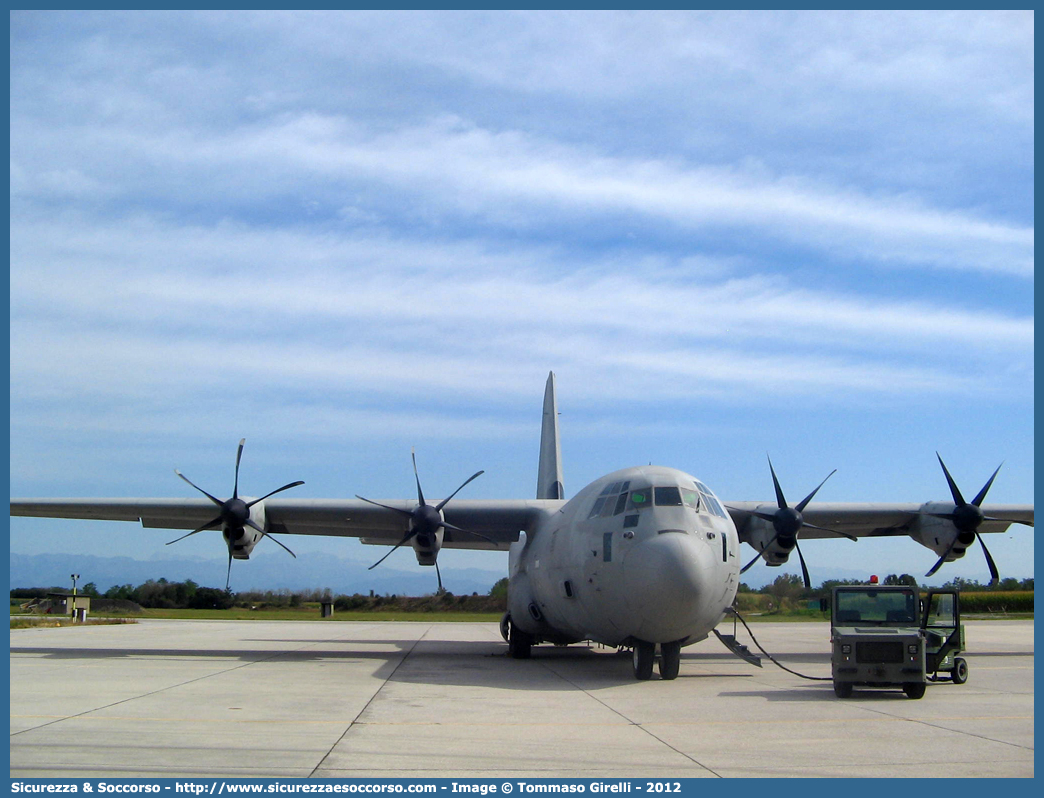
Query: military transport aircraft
point(644, 558)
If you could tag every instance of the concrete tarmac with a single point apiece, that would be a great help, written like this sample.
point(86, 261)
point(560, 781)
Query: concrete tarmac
point(337, 699)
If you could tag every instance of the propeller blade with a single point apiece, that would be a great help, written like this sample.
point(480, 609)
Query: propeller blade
point(943, 558)
point(386, 556)
point(746, 567)
point(958, 499)
point(937, 565)
point(750, 565)
point(398, 510)
point(445, 501)
point(420, 493)
point(1008, 520)
point(239, 456)
point(853, 538)
point(994, 573)
point(781, 500)
point(476, 534)
point(977, 501)
point(804, 503)
point(254, 525)
point(439, 577)
point(216, 501)
point(228, 574)
point(207, 525)
point(804, 569)
point(770, 517)
point(277, 490)
point(274, 539)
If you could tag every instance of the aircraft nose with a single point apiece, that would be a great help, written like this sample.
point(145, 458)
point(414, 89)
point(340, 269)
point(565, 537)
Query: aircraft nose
point(667, 579)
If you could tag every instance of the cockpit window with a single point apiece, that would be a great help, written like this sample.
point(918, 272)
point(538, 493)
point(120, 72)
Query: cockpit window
point(620, 504)
point(611, 501)
point(710, 501)
point(616, 498)
point(640, 499)
point(668, 497)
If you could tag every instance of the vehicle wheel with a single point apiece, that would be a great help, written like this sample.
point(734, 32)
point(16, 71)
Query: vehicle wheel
point(642, 658)
point(843, 689)
point(914, 689)
point(519, 643)
point(670, 659)
point(960, 670)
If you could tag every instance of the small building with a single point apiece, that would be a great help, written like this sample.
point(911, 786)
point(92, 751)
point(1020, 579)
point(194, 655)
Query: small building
point(69, 604)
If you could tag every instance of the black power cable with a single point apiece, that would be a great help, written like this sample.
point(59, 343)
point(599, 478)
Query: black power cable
point(774, 660)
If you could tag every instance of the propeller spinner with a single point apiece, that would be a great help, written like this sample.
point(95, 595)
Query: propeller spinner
point(234, 514)
point(425, 520)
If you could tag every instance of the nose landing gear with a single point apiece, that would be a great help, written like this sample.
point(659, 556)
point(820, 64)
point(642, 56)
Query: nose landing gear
point(670, 660)
point(644, 653)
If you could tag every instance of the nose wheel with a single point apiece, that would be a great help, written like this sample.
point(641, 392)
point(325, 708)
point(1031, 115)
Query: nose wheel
point(670, 659)
point(642, 658)
point(644, 654)
point(520, 643)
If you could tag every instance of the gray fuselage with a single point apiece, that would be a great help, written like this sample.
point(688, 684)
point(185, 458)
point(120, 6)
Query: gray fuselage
point(645, 553)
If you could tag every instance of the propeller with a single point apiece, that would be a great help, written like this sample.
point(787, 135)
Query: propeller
point(788, 523)
point(425, 519)
point(234, 513)
point(967, 517)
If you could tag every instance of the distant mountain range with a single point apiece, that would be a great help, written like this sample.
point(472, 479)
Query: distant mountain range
point(307, 572)
point(274, 571)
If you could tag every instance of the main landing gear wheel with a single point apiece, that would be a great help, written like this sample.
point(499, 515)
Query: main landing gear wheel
point(960, 670)
point(519, 643)
point(914, 689)
point(642, 658)
point(843, 689)
point(670, 659)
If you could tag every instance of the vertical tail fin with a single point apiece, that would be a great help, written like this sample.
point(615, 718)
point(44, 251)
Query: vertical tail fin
point(549, 471)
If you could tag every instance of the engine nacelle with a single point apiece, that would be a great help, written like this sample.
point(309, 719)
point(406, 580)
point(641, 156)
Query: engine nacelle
point(938, 533)
point(428, 534)
point(427, 546)
point(243, 539)
point(761, 535)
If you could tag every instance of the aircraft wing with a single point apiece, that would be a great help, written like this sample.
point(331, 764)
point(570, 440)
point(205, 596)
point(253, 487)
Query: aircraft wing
point(876, 519)
point(500, 521)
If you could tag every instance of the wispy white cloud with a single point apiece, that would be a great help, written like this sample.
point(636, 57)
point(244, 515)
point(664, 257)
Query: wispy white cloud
point(121, 316)
point(455, 170)
point(244, 278)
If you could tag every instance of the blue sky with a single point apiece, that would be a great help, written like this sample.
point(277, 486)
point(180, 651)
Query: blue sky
point(341, 235)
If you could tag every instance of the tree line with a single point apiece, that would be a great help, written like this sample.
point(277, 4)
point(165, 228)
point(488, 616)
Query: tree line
point(791, 585)
point(788, 593)
point(161, 594)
